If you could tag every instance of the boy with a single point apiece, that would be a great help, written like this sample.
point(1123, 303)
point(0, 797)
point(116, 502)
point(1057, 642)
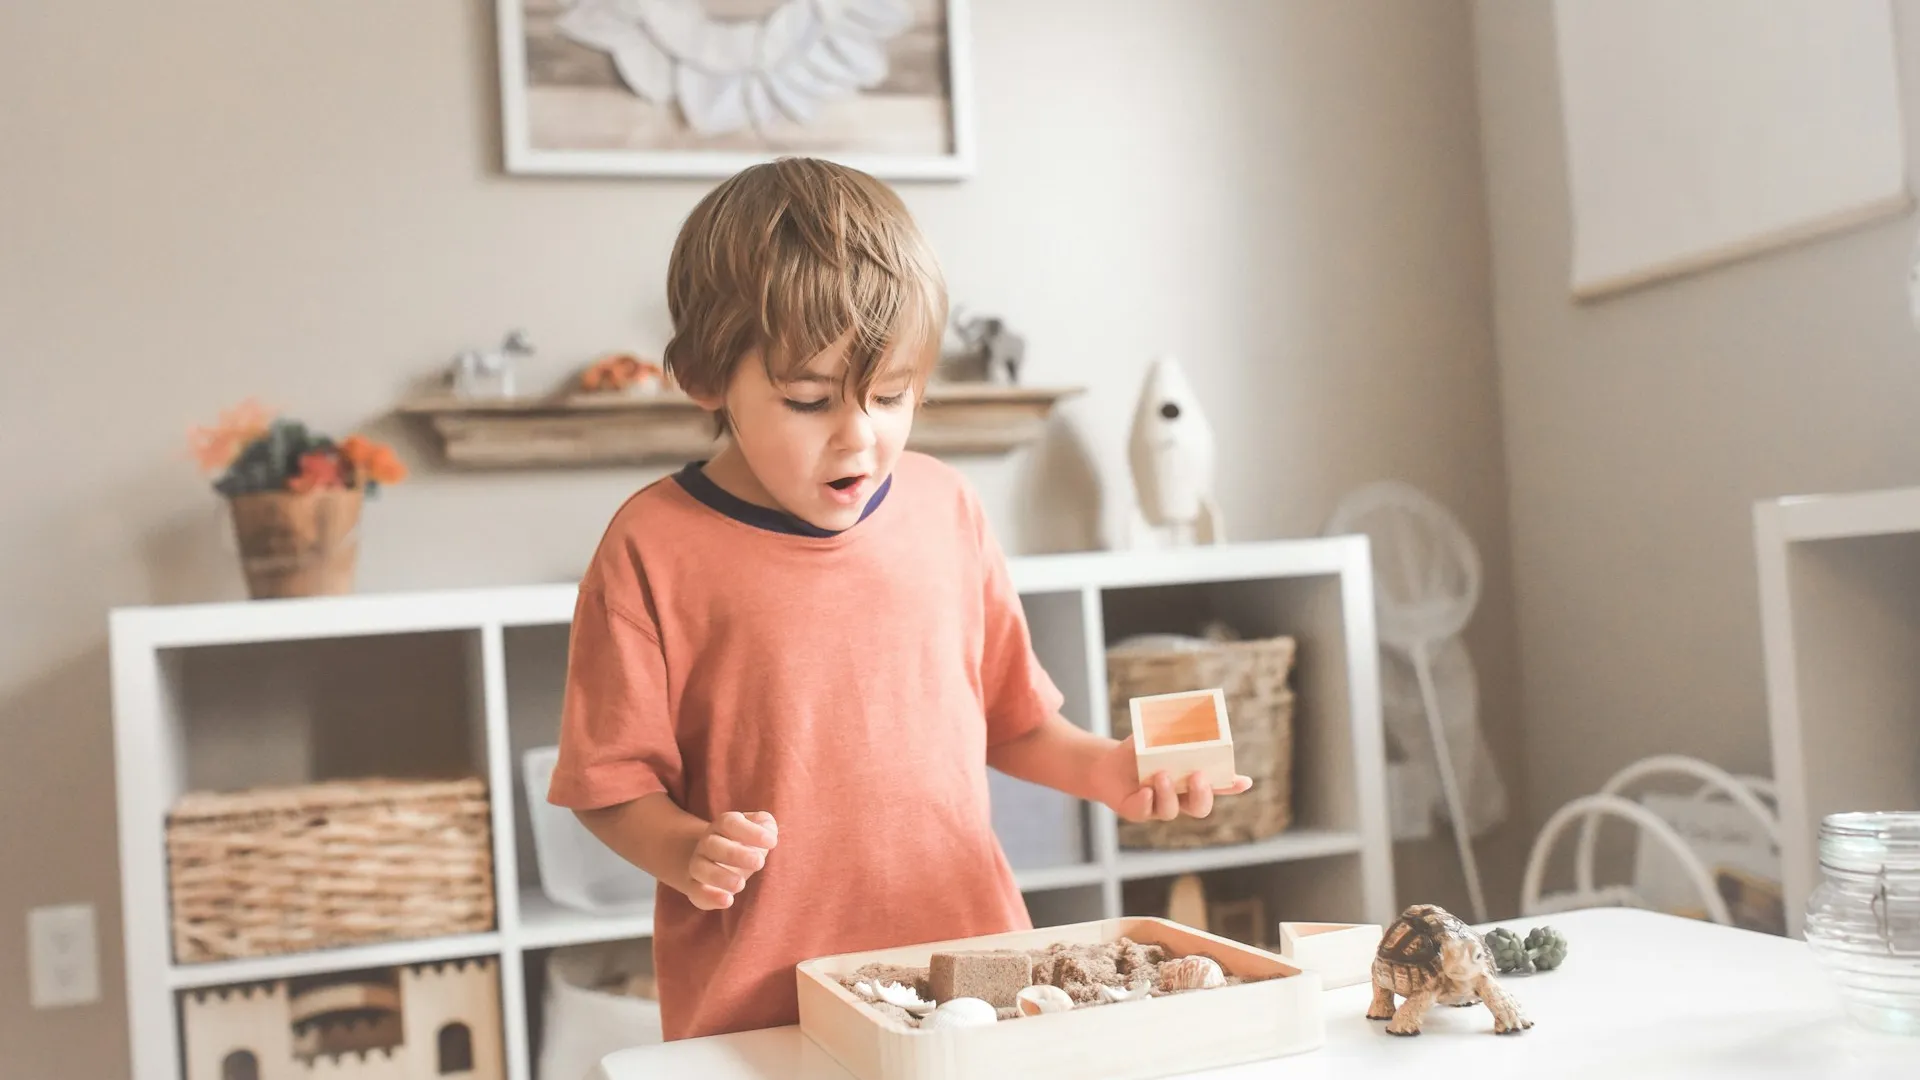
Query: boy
point(791, 665)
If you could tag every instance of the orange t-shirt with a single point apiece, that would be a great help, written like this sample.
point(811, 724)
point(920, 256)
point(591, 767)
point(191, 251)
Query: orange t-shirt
point(847, 683)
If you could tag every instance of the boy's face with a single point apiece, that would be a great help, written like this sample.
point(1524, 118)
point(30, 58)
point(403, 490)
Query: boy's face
point(802, 446)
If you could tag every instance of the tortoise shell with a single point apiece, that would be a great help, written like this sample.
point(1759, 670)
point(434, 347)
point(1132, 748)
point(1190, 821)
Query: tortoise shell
point(1409, 959)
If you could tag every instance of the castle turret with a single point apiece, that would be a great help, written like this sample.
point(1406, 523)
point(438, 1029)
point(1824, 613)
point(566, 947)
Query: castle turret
point(239, 1033)
point(451, 1015)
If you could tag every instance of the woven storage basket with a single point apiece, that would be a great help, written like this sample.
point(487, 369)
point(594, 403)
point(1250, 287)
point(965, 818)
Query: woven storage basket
point(281, 870)
point(1253, 677)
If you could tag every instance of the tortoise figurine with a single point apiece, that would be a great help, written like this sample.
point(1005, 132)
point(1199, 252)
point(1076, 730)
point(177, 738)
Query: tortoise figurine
point(1428, 955)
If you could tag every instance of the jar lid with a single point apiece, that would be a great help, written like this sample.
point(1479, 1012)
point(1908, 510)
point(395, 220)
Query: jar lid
point(1869, 842)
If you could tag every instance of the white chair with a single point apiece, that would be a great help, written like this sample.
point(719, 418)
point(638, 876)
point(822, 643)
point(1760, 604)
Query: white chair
point(1744, 791)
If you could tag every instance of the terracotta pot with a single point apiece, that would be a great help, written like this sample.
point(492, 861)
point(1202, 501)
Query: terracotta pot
point(298, 545)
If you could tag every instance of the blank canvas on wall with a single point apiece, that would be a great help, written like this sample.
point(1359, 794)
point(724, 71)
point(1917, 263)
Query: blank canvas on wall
point(1704, 131)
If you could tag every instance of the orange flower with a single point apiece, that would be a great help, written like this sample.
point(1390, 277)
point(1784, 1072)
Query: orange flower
point(372, 461)
point(318, 469)
point(216, 447)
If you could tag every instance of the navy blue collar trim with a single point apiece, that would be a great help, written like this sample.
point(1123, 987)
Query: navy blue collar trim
point(702, 487)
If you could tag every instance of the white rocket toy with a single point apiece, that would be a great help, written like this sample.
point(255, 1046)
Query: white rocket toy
point(1171, 452)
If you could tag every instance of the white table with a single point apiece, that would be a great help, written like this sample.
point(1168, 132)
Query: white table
point(1641, 996)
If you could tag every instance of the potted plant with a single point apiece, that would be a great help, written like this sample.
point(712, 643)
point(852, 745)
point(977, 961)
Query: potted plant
point(295, 496)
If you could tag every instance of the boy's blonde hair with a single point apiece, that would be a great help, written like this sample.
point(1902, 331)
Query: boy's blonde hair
point(783, 259)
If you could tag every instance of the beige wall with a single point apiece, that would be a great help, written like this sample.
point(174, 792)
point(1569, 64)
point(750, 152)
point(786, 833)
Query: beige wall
point(1640, 430)
point(300, 202)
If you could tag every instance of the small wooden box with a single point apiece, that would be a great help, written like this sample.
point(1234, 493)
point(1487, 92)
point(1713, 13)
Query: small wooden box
point(1342, 953)
point(1132, 1040)
point(1183, 732)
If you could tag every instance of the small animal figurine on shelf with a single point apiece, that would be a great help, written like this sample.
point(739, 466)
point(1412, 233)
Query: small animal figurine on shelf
point(988, 351)
point(1429, 955)
point(490, 373)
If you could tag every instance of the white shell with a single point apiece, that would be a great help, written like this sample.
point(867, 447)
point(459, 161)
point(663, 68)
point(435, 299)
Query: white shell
point(1042, 998)
point(1191, 973)
point(1137, 993)
point(961, 1012)
point(905, 997)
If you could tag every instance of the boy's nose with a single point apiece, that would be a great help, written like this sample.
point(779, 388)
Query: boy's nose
point(855, 431)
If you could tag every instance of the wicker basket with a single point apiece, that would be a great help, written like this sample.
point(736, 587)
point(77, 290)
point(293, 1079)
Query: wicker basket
point(1253, 677)
point(282, 870)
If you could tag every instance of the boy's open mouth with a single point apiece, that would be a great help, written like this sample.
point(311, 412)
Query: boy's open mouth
point(843, 483)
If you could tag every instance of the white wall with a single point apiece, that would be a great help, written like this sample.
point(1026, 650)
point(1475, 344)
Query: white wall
point(300, 202)
point(1640, 430)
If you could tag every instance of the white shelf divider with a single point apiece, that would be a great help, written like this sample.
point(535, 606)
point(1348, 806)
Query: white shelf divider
point(506, 858)
point(1103, 822)
point(546, 925)
point(325, 961)
point(1290, 846)
point(1839, 589)
point(1347, 821)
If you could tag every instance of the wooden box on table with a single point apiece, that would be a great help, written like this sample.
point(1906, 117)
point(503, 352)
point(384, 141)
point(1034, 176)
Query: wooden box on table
point(1130, 1040)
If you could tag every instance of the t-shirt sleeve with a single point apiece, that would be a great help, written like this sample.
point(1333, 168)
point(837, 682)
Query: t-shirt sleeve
point(1019, 693)
point(616, 727)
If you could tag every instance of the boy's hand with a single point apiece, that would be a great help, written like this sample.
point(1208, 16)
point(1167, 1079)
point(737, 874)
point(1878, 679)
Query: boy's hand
point(1155, 800)
point(733, 850)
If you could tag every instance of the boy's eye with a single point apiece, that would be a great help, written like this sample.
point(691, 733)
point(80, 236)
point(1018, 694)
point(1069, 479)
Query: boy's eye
point(890, 400)
point(806, 406)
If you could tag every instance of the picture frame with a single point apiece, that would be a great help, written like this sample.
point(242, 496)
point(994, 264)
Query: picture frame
point(886, 89)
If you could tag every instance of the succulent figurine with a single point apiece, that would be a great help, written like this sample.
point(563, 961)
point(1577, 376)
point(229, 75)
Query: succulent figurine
point(1509, 951)
point(1546, 947)
point(1543, 949)
point(1428, 955)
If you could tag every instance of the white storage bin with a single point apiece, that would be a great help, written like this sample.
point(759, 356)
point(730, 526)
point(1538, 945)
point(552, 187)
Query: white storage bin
point(576, 870)
point(1038, 827)
point(587, 1017)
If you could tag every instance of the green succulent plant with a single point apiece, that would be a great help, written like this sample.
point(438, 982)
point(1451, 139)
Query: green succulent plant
point(252, 451)
point(1546, 947)
point(1509, 951)
point(269, 461)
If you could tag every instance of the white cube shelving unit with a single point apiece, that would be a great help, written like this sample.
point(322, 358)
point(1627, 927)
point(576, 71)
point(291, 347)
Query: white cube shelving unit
point(239, 694)
point(1840, 624)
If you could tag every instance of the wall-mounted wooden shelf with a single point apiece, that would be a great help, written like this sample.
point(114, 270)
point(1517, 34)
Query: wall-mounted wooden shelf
point(614, 428)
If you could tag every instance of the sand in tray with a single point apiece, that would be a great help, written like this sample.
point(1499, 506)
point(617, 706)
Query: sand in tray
point(1080, 970)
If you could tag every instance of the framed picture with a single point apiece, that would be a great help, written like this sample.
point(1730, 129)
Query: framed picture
point(704, 88)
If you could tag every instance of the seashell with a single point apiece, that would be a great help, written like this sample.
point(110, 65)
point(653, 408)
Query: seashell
point(904, 996)
point(1113, 994)
point(1191, 973)
point(961, 1012)
point(1035, 1000)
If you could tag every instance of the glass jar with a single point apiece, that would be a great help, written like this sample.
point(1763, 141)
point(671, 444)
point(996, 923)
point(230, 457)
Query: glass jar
point(1863, 919)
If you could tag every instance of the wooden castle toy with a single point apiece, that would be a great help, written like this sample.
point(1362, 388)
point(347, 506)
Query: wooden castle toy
point(434, 1019)
point(1183, 732)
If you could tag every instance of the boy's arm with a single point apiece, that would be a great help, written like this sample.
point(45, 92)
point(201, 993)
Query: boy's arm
point(1059, 755)
point(619, 756)
point(708, 862)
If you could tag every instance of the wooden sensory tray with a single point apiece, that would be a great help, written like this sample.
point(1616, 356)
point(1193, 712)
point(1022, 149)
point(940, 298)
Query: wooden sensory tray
point(1131, 1040)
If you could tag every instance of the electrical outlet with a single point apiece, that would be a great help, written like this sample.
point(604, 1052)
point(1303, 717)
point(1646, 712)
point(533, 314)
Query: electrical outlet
point(63, 958)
